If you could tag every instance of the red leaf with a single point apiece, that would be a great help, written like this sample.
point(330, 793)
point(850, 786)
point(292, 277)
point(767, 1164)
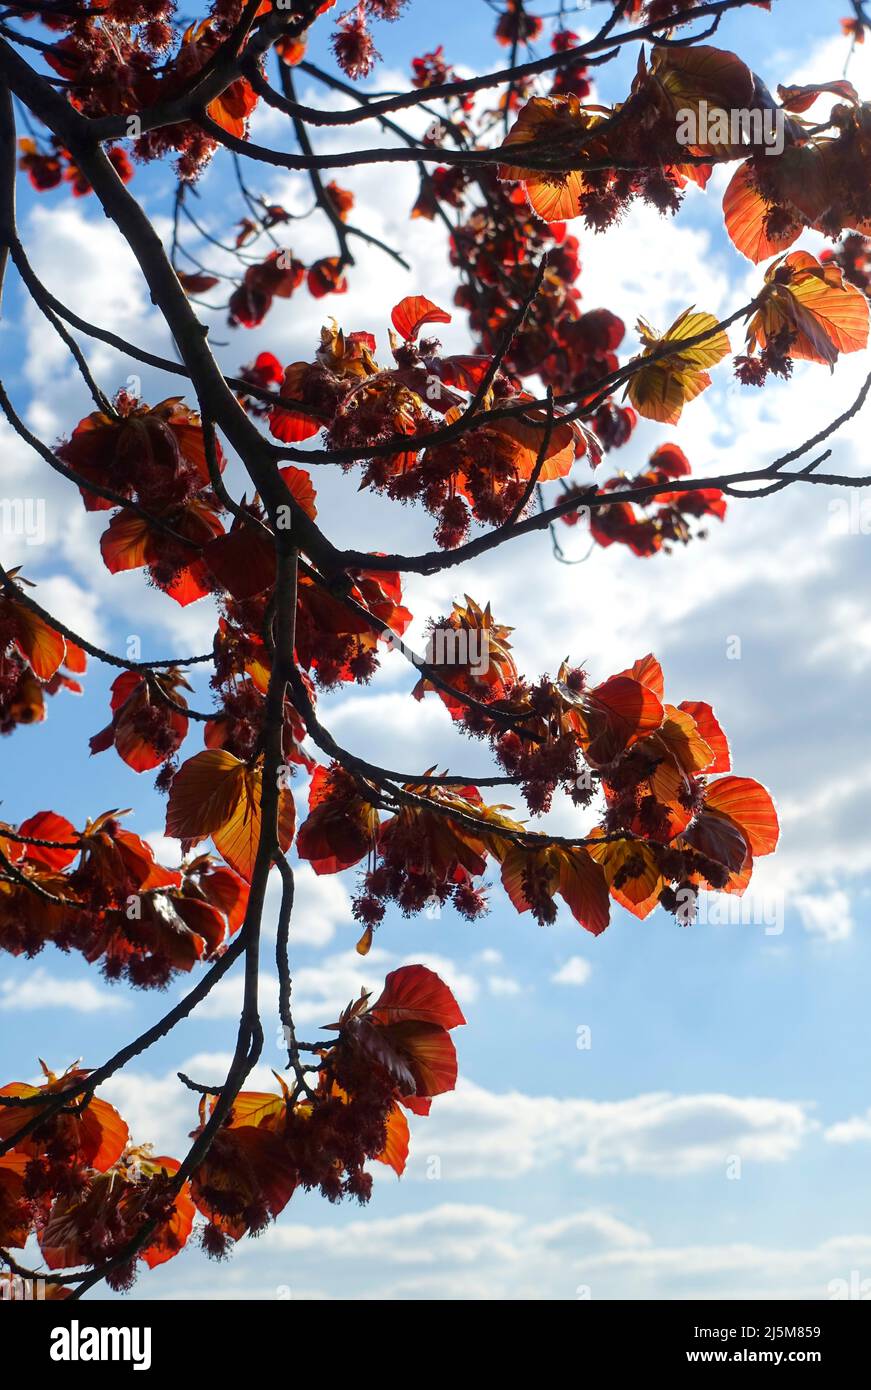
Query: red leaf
point(709, 727)
point(45, 825)
point(750, 806)
point(413, 312)
point(416, 992)
point(430, 1054)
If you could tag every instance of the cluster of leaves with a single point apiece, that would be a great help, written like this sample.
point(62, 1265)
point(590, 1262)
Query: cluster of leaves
point(277, 277)
point(78, 1184)
point(498, 240)
point(130, 55)
point(153, 457)
point(389, 1057)
point(656, 524)
point(670, 823)
point(481, 474)
point(820, 180)
point(48, 165)
point(35, 661)
point(101, 892)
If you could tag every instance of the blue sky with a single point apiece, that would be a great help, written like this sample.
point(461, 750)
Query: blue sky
point(609, 1170)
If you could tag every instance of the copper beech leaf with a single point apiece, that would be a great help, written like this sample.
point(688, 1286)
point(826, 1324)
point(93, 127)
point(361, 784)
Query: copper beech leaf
point(531, 876)
point(395, 1151)
point(822, 314)
point(416, 992)
point(215, 794)
point(411, 313)
point(44, 648)
point(659, 389)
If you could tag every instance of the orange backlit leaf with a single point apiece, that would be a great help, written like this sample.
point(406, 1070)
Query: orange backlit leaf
point(648, 671)
point(713, 735)
point(35, 639)
point(746, 213)
point(821, 311)
point(750, 806)
point(549, 123)
point(429, 1053)
point(215, 794)
point(395, 1151)
point(632, 873)
point(46, 825)
point(411, 313)
point(416, 992)
point(232, 108)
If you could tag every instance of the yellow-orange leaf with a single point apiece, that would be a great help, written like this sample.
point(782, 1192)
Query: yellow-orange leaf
point(638, 891)
point(395, 1151)
point(659, 390)
point(823, 312)
point(215, 794)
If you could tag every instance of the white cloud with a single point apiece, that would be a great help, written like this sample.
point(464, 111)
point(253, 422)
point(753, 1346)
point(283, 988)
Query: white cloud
point(40, 990)
point(504, 987)
point(468, 1252)
point(826, 915)
point(489, 956)
point(575, 971)
point(320, 904)
point(448, 1232)
point(856, 1130)
point(479, 1133)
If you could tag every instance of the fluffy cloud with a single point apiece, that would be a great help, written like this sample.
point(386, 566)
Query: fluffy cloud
point(826, 915)
point(476, 1133)
point(40, 990)
point(468, 1251)
point(574, 971)
point(856, 1130)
